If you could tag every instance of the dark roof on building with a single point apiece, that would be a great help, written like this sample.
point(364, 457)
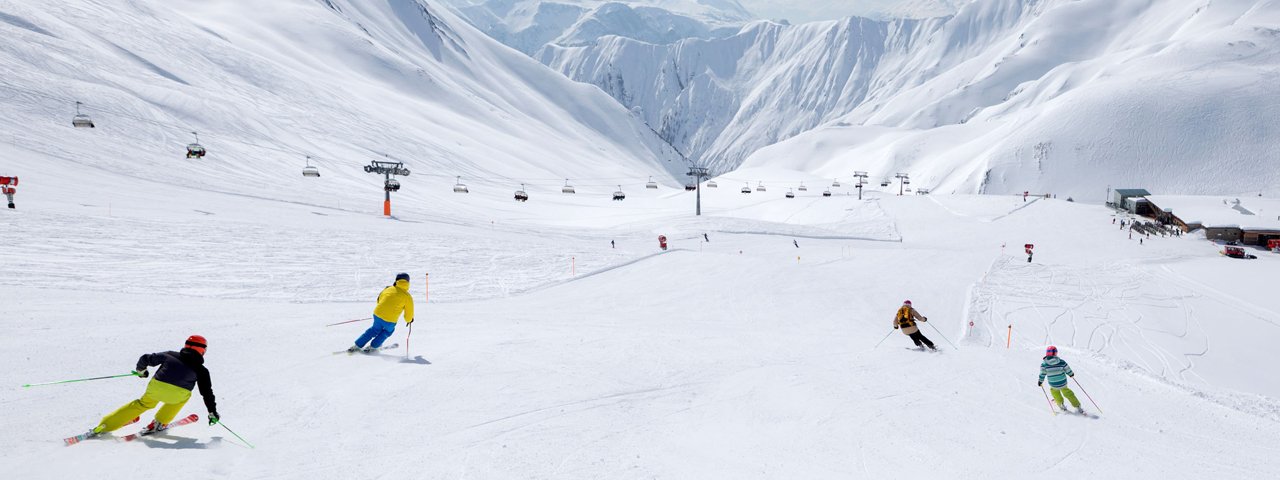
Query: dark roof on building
point(1132, 192)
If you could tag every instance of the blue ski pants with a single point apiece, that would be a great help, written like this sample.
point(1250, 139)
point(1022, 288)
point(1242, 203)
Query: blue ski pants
point(379, 332)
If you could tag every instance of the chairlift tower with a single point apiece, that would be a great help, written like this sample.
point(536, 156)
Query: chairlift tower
point(862, 178)
point(387, 169)
point(903, 180)
point(698, 174)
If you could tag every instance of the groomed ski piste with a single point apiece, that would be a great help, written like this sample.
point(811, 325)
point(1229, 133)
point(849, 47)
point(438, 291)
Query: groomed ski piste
point(544, 353)
point(539, 350)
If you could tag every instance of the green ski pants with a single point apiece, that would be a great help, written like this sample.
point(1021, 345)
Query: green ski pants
point(1059, 392)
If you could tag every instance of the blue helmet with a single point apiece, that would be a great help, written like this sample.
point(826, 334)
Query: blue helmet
point(402, 276)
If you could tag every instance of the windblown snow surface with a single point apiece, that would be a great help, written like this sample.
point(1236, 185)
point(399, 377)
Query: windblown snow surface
point(539, 351)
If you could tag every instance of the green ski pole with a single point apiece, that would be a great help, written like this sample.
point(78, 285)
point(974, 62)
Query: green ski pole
point(134, 374)
point(246, 442)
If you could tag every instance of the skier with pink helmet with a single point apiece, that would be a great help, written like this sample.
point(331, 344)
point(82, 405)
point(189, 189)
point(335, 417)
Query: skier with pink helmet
point(906, 321)
point(1056, 370)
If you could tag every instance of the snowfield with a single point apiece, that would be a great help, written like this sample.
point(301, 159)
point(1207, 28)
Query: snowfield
point(742, 357)
point(554, 338)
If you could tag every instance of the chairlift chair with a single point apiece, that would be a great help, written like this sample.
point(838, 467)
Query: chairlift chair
point(618, 195)
point(689, 187)
point(81, 120)
point(789, 194)
point(835, 183)
point(460, 187)
point(391, 185)
point(826, 193)
point(520, 195)
point(747, 188)
point(195, 150)
point(884, 183)
point(712, 184)
point(760, 186)
point(652, 185)
point(310, 171)
point(567, 188)
point(802, 187)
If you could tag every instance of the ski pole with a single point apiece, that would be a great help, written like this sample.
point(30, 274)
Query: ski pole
point(348, 321)
point(406, 341)
point(80, 380)
point(1086, 394)
point(944, 337)
point(246, 442)
point(886, 337)
point(1046, 398)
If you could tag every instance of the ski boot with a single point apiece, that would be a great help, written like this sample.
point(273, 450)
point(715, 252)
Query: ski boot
point(1080, 411)
point(370, 350)
point(353, 349)
point(155, 427)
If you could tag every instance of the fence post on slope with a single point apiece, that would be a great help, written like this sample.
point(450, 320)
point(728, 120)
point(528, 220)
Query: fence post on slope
point(573, 266)
point(1008, 339)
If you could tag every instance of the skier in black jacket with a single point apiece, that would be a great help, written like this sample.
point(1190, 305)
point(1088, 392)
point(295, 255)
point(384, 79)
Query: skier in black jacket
point(179, 372)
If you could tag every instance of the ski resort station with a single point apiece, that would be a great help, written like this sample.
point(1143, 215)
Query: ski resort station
point(639, 239)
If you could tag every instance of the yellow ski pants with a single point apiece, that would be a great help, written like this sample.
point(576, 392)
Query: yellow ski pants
point(172, 396)
point(1059, 392)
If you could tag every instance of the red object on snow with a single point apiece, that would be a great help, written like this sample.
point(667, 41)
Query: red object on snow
point(9, 181)
point(1030, 246)
point(662, 241)
point(1273, 245)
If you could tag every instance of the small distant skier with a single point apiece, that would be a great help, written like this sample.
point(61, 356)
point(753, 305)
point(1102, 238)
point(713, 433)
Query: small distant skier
point(906, 321)
point(704, 238)
point(1140, 241)
point(797, 244)
point(179, 372)
point(612, 244)
point(391, 302)
point(1057, 371)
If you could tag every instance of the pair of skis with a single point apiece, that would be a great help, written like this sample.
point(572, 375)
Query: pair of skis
point(371, 352)
point(133, 436)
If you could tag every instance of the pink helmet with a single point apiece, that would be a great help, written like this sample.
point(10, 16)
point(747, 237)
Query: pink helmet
point(1052, 351)
point(906, 302)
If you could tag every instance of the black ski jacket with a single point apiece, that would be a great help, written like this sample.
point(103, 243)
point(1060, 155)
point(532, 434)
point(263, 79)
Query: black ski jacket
point(183, 369)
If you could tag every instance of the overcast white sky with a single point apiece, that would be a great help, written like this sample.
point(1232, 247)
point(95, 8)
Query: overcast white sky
point(799, 11)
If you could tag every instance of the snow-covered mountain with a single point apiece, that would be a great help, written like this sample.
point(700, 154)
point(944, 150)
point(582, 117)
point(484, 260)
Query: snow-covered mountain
point(345, 82)
point(1006, 95)
point(529, 25)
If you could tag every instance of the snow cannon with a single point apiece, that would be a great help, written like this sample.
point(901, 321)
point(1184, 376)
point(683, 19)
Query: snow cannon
point(7, 187)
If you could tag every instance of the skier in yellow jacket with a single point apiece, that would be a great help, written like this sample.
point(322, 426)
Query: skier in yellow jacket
point(392, 302)
point(906, 319)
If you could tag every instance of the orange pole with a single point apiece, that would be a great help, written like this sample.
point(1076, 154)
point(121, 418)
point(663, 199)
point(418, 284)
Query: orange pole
point(1009, 338)
point(386, 208)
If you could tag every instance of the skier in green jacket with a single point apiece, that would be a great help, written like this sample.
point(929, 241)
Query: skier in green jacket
point(1057, 371)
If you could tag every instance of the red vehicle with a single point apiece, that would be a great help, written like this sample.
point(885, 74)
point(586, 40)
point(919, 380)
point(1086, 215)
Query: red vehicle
point(1236, 252)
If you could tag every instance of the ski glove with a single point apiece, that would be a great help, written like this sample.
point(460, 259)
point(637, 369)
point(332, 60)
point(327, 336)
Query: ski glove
point(142, 374)
point(213, 418)
point(408, 322)
point(1039, 384)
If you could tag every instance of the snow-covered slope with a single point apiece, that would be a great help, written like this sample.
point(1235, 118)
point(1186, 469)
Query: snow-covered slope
point(530, 25)
point(1007, 95)
point(343, 81)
